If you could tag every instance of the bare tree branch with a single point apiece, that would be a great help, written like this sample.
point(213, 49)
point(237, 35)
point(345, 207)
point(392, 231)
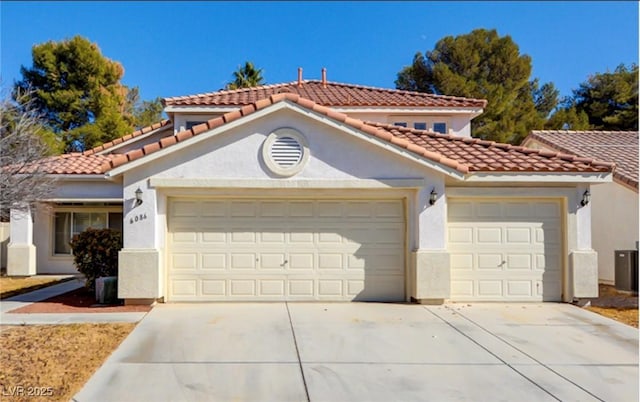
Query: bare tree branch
point(23, 153)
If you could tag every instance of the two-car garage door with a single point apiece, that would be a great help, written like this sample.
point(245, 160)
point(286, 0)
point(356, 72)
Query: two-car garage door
point(505, 250)
point(226, 249)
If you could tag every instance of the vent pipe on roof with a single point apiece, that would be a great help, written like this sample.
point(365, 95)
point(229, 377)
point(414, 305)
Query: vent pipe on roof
point(299, 76)
point(324, 77)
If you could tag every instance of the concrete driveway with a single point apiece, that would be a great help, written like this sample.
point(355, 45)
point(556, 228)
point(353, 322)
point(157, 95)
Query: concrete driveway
point(371, 352)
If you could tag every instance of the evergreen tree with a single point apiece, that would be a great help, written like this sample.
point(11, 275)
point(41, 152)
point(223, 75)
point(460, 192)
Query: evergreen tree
point(484, 65)
point(610, 100)
point(78, 92)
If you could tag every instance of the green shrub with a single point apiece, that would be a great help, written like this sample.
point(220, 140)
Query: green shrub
point(95, 253)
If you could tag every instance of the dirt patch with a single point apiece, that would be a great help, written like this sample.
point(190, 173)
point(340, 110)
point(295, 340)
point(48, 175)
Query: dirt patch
point(617, 305)
point(53, 362)
point(77, 301)
point(12, 286)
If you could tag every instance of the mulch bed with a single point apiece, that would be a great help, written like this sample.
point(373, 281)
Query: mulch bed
point(77, 301)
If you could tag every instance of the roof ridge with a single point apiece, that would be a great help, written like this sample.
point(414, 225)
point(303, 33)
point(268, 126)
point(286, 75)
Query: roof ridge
point(315, 81)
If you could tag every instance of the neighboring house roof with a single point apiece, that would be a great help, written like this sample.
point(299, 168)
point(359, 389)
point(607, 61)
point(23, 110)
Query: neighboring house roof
point(327, 94)
point(137, 133)
point(619, 147)
point(460, 153)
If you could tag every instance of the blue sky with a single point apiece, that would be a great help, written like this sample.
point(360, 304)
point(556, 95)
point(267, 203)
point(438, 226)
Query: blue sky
point(181, 48)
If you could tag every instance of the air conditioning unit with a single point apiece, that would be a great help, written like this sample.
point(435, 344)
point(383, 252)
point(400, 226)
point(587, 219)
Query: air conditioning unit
point(107, 290)
point(626, 266)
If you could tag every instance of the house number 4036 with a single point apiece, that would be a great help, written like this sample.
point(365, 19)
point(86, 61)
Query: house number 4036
point(138, 218)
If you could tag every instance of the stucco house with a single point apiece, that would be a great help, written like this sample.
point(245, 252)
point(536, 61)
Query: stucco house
point(614, 215)
point(317, 190)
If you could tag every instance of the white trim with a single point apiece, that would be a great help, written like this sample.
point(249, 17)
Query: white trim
point(293, 184)
point(134, 139)
point(81, 200)
point(201, 109)
point(509, 192)
point(304, 111)
point(417, 110)
point(541, 177)
point(78, 177)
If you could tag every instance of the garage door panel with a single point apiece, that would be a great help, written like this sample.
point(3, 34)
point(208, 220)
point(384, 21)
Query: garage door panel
point(185, 261)
point(214, 261)
point(519, 289)
point(272, 260)
point(516, 235)
point(272, 287)
point(242, 261)
point(330, 261)
point(490, 261)
point(213, 287)
point(462, 261)
point(490, 288)
point(505, 250)
point(296, 250)
point(242, 287)
point(244, 209)
point(488, 235)
point(301, 261)
point(184, 287)
point(460, 235)
point(519, 262)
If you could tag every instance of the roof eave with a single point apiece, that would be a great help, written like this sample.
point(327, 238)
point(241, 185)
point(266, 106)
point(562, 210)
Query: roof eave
point(540, 177)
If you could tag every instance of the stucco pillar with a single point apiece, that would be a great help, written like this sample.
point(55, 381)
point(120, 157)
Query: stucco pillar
point(583, 260)
point(431, 271)
point(21, 253)
point(140, 271)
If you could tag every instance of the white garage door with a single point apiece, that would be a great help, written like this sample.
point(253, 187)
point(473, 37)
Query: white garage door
point(505, 250)
point(285, 250)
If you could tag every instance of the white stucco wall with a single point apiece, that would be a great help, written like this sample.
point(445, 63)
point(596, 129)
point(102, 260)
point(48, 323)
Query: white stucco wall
point(88, 189)
point(615, 224)
point(236, 154)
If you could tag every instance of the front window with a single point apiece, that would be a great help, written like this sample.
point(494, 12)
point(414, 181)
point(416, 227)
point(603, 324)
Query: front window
point(400, 123)
point(68, 224)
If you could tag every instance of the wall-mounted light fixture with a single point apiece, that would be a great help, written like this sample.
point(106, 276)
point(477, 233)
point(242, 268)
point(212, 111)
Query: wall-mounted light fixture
point(586, 197)
point(138, 196)
point(433, 197)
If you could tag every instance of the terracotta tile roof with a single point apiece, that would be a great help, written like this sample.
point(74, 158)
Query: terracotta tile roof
point(128, 137)
point(462, 154)
point(73, 163)
point(620, 147)
point(332, 94)
point(478, 155)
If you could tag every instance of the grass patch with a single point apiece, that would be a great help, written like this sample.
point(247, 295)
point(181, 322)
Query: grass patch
point(13, 286)
point(62, 357)
point(627, 316)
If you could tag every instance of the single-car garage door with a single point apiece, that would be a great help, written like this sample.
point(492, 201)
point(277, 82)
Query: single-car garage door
point(285, 250)
point(505, 250)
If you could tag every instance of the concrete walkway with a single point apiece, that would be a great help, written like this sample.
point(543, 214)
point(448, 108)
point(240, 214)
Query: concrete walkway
point(25, 299)
point(371, 352)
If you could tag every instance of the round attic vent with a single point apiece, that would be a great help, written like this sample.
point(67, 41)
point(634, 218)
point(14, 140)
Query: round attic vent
point(285, 151)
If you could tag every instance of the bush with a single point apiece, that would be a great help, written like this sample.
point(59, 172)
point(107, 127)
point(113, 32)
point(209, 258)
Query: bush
point(95, 253)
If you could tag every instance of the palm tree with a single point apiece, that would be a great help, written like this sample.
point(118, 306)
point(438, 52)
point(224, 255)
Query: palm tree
point(245, 77)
